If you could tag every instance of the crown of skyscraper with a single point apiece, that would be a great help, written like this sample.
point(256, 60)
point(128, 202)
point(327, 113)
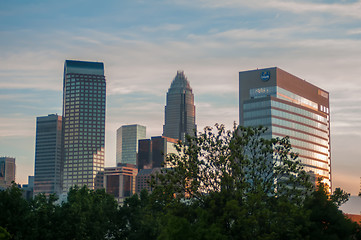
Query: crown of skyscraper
point(180, 81)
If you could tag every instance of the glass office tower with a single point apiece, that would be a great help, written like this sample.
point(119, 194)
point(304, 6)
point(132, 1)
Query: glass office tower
point(289, 106)
point(180, 112)
point(83, 123)
point(127, 143)
point(48, 158)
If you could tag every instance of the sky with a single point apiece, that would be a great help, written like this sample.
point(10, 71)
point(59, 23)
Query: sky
point(144, 42)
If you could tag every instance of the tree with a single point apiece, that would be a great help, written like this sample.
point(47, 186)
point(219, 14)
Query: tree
point(239, 182)
point(326, 220)
point(339, 196)
point(88, 214)
point(15, 212)
point(44, 217)
point(4, 235)
point(237, 162)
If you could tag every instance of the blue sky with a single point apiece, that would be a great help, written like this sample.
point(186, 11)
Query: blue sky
point(144, 43)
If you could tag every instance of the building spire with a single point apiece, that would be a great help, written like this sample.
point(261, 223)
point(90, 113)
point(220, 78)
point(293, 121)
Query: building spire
point(180, 109)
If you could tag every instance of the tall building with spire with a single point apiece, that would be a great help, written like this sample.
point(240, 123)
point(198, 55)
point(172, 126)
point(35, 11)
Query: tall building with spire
point(180, 112)
point(83, 123)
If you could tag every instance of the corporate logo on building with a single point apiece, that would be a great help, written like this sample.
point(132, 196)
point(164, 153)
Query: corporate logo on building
point(265, 76)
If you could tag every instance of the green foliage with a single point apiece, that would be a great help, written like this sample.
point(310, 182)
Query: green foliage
point(4, 235)
point(88, 214)
point(237, 185)
point(238, 162)
point(326, 221)
point(15, 212)
point(222, 185)
point(339, 197)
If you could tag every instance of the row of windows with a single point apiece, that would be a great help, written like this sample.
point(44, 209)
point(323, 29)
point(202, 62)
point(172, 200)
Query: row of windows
point(84, 170)
point(80, 153)
point(84, 137)
point(296, 134)
point(82, 119)
point(87, 78)
point(94, 116)
point(87, 128)
point(300, 127)
point(311, 146)
point(314, 163)
point(289, 96)
point(283, 94)
point(85, 177)
point(81, 166)
point(300, 111)
point(91, 122)
point(85, 92)
point(83, 108)
point(83, 113)
point(75, 127)
point(86, 140)
point(300, 119)
point(71, 168)
point(248, 115)
point(269, 104)
point(76, 96)
point(77, 159)
point(86, 143)
point(82, 131)
point(323, 173)
point(84, 86)
point(90, 96)
point(310, 154)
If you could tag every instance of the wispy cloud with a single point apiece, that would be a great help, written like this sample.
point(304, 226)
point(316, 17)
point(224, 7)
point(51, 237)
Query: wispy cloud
point(164, 27)
point(339, 9)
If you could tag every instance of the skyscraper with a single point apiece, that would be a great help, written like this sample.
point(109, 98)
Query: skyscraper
point(127, 143)
point(153, 152)
point(48, 155)
point(7, 171)
point(289, 106)
point(180, 112)
point(83, 123)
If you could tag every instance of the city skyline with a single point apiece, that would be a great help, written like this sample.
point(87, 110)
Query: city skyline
point(143, 43)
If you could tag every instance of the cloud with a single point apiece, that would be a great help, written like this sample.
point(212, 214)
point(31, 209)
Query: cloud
point(338, 9)
point(164, 27)
point(20, 126)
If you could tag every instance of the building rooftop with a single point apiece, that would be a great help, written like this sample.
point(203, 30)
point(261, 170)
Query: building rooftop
point(83, 67)
point(180, 82)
